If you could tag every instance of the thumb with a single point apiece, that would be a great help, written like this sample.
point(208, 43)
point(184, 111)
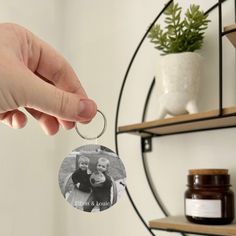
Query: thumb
point(46, 98)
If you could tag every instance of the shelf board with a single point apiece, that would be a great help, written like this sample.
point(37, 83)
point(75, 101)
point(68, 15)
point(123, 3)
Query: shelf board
point(183, 123)
point(180, 224)
point(231, 36)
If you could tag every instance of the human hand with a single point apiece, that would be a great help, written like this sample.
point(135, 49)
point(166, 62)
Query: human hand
point(34, 76)
point(97, 179)
point(97, 185)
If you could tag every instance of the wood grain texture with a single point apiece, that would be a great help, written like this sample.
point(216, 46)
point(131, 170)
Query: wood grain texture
point(231, 36)
point(183, 123)
point(179, 223)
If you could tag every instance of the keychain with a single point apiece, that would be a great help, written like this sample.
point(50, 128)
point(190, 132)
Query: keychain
point(92, 177)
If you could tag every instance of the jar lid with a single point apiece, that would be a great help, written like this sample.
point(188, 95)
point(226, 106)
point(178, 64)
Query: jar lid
point(208, 178)
point(208, 172)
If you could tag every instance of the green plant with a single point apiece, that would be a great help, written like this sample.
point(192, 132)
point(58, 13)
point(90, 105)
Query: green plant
point(180, 35)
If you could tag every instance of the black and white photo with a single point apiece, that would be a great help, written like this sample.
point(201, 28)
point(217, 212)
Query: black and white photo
point(92, 178)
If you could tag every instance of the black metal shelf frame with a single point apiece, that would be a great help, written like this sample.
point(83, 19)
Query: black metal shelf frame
point(221, 34)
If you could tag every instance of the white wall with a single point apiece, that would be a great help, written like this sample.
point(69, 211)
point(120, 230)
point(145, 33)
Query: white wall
point(174, 155)
point(99, 38)
point(28, 175)
point(106, 36)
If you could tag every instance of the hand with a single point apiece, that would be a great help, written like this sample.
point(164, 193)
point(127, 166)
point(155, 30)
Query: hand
point(97, 185)
point(34, 76)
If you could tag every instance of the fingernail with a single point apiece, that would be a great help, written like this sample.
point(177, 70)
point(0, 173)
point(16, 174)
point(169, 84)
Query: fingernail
point(86, 109)
point(15, 124)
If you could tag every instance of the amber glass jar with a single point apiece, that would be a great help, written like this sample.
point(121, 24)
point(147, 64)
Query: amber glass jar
point(208, 199)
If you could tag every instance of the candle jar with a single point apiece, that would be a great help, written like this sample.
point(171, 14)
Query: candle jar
point(209, 199)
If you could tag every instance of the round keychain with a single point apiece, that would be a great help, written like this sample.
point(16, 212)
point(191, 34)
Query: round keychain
point(92, 177)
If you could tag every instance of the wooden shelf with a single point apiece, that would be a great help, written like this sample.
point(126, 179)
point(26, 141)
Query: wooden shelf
point(183, 123)
point(180, 224)
point(231, 36)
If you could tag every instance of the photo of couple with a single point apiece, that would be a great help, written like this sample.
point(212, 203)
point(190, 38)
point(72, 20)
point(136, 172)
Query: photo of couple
point(92, 178)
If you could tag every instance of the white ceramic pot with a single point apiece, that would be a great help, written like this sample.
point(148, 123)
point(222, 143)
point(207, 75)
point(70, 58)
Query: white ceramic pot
point(178, 84)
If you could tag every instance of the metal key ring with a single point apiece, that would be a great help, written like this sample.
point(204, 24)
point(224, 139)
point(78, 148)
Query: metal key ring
point(100, 134)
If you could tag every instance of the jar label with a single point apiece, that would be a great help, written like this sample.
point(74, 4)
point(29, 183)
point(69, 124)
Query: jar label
point(208, 208)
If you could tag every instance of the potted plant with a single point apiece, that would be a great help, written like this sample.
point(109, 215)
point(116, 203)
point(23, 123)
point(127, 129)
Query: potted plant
point(180, 64)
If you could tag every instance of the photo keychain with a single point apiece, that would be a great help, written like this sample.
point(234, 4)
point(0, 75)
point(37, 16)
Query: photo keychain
point(92, 177)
